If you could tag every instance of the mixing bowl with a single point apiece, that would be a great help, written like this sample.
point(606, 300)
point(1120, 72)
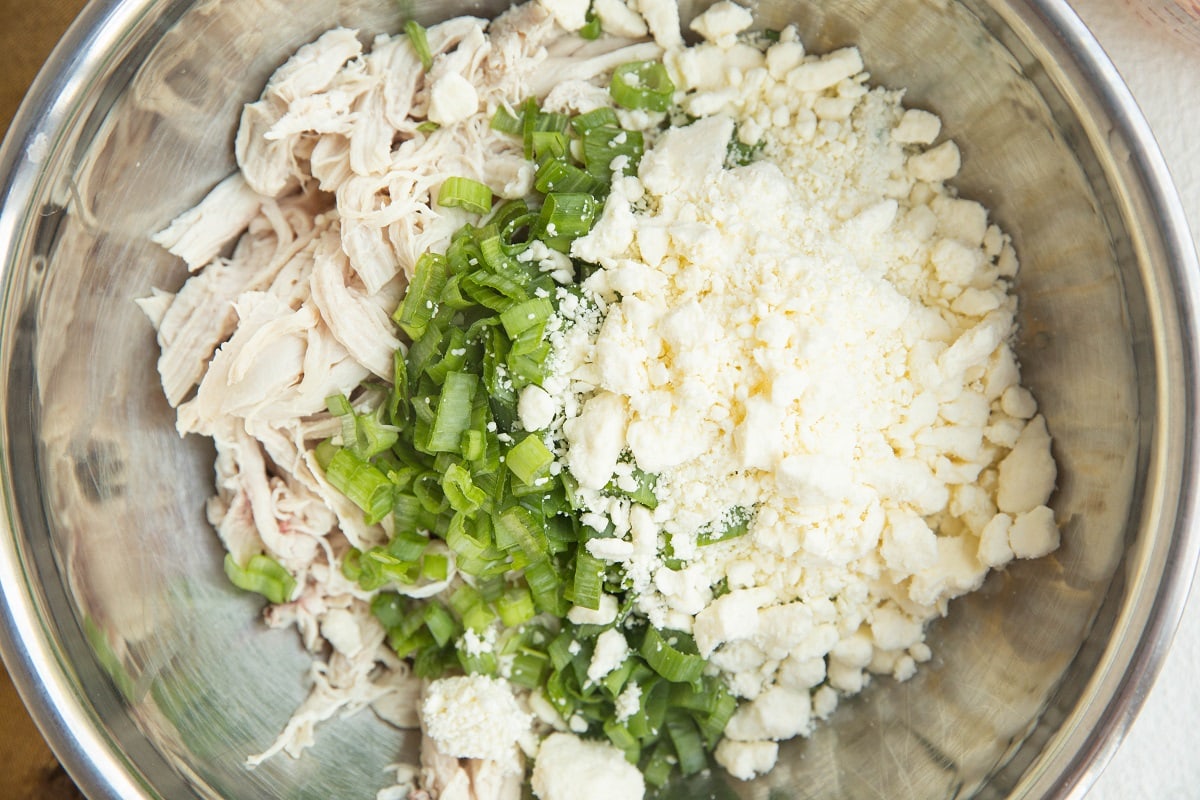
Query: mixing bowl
point(153, 678)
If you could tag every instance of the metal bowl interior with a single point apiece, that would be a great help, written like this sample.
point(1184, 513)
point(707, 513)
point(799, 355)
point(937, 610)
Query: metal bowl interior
point(152, 678)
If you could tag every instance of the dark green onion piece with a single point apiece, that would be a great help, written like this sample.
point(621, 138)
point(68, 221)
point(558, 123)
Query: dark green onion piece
point(670, 662)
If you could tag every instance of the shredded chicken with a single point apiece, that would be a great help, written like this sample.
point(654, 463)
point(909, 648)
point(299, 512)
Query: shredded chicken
point(297, 259)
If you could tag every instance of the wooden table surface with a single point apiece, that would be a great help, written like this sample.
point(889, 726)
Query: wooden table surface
point(28, 770)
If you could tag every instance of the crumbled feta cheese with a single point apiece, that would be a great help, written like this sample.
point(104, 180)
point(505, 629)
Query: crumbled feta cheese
point(611, 650)
point(475, 717)
point(744, 760)
point(604, 615)
point(570, 768)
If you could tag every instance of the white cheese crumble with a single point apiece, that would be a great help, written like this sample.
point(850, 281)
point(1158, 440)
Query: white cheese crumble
point(476, 717)
point(570, 768)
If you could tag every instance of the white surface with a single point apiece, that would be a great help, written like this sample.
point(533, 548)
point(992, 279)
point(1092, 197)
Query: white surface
point(1160, 759)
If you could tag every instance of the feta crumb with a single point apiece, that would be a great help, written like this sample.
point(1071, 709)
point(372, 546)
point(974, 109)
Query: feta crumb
point(475, 717)
point(570, 768)
point(745, 760)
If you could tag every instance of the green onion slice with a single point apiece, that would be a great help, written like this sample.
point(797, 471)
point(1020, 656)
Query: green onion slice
point(420, 43)
point(262, 575)
point(467, 194)
point(642, 85)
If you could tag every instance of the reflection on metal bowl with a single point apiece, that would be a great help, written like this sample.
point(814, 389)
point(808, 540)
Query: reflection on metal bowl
point(153, 678)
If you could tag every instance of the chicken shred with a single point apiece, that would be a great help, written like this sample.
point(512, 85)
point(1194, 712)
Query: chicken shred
point(297, 259)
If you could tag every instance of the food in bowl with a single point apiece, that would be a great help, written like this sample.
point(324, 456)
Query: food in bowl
point(590, 398)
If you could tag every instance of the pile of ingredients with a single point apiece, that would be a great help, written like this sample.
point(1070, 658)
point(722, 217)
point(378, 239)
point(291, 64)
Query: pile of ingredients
point(603, 406)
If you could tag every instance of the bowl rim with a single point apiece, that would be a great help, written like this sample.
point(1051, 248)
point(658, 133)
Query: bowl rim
point(67, 718)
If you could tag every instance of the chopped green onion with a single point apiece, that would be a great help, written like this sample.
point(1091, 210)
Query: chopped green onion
point(365, 485)
point(420, 43)
point(689, 748)
point(517, 527)
point(529, 670)
point(551, 144)
point(589, 580)
point(556, 175)
point(262, 575)
point(529, 459)
point(602, 145)
point(427, 127)
point(515, 606)
point(734, 523)
point(527, 315)
point(529, 125)
point(591, 27)
point(466, 194)
point(504, 121)
point(435, 567)
point(668, 661)
point(642, 85)
point(407, 545)
point(420, 301)
point(568, 215)
point(441, 623)
point(453, 415)
point(461, 491)
point(596, 118)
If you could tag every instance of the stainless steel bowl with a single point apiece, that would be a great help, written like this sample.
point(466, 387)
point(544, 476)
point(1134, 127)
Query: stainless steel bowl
point(152, 678)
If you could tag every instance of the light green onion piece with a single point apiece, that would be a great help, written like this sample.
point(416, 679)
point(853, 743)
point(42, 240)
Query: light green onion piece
point(529, 117)
point(407, 545)
point(453, 415)
point(515, 606)
point(734, 523)
point(464, 193)
point(504, 121)
point(435, 567)
point(420, 301)
point(420, 43)
point(591, 27)
point(673, 664)
point(441, 623)
point(551, 144)
point(529, 459)
point(589, 579)
point(568, 215)
point(262, 575)
point(517, 527)
point(602, 145)
point(556, 175)
point(529, 670)
point(478, 616)
point(642, 85)
point(596, 118)
point(461, 491)
point(543, 584)
point(364, 484)
point(523, 316)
